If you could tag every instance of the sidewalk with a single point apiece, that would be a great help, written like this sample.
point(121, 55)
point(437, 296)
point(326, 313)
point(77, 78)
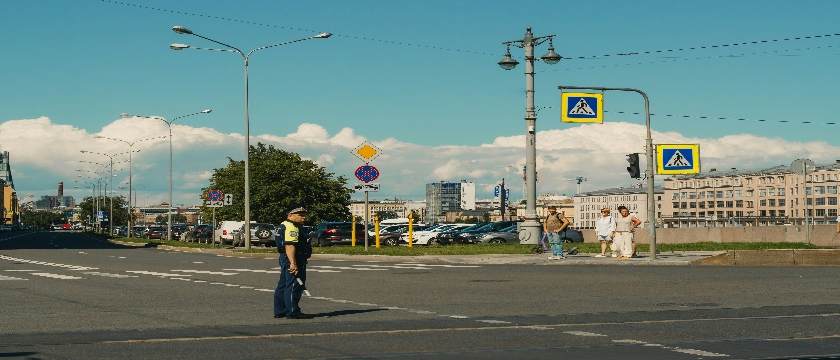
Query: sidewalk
point(736, 257)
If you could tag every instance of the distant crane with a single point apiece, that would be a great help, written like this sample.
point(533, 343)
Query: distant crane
point(578, 180)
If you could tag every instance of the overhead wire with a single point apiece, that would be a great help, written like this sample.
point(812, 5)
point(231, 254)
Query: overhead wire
point(617, 55)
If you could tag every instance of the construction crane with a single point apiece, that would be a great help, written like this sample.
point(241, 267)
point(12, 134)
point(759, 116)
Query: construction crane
point(578, 180)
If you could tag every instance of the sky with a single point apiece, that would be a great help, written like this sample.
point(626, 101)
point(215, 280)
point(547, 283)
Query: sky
point(754, 83)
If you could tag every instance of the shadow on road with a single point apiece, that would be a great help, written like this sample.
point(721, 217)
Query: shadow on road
point(51, 240)
point(346, 312)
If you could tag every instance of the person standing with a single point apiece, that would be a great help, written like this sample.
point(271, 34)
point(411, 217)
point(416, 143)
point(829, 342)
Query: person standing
point(838, 224)
point(625, 225)
point(605, 228)
point(294, 253)
point(555, 223)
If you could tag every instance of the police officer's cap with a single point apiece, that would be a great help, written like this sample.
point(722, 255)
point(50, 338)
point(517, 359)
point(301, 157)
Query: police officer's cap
point(296, 209)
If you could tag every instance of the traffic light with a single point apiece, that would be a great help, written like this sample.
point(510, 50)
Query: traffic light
point(633, 169)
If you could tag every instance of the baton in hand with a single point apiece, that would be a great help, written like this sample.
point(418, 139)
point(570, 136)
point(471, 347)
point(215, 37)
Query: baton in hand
point(300, 282)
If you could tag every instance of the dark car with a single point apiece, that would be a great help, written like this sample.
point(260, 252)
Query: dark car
point(466, 237)
point(451, 237)
point(332, 233)
point(508, 235)
point(155, 233)
point(200, 233)
point(177, 230)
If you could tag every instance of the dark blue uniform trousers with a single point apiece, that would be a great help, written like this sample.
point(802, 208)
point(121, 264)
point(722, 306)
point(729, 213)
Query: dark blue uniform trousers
point(288, 292)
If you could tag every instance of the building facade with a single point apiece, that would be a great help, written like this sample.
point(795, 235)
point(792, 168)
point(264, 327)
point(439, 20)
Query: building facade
point(773, 196)
point(443, 196)
point(588, 205)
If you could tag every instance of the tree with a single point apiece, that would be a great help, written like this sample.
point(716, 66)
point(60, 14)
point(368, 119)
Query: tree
point(486, 217)
point(385, 215)
point(89, 208)
point(41, 218)
point(279, 179)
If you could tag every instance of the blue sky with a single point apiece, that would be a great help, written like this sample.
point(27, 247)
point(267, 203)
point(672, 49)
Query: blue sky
point(417, 78)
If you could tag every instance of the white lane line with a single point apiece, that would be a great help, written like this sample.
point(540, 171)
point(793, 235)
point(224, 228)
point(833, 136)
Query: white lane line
point(2, 277)
point(446, 266)
point(153, 273)
point(256, 271)
point(583, 333)
point(109, 275)
point(672, 348)
point(57, 276)
point(494, 321)
point(698, 352)
point(317, 267)
point(71, 267)
point(206, 272)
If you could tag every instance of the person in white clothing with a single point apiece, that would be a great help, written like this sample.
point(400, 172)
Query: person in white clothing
point(605, 228)
point(624, 227)
point(838, 224)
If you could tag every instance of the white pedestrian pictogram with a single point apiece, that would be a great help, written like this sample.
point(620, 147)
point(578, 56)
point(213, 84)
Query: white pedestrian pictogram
point(677, 160)
point(582, 108)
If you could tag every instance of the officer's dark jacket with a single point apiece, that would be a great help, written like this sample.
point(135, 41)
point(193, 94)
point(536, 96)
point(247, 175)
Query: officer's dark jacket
point(288, 233)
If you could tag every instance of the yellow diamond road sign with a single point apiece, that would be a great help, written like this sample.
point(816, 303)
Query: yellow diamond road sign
point(366, 151)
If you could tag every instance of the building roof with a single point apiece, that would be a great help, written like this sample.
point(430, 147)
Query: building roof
point(778, 169)
point(622, 190)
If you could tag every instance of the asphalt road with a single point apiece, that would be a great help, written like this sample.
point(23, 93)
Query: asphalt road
point(70, 296)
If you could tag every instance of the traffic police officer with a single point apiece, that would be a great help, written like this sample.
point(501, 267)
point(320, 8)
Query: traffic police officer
point(294, 253)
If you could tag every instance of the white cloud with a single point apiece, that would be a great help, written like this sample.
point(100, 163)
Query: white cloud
point(43, 153)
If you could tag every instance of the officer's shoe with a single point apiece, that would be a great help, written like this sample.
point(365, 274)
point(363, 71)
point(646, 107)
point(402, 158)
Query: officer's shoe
point(300, 315)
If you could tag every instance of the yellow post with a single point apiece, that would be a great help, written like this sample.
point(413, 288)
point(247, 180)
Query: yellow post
point(376, 228)
point(410, 221)
point(353, 232)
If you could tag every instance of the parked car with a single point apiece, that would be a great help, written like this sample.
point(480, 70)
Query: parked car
point(156, 232)
point(466, 237)
point(429, 237)
point(261, 233)
point(224, 231)
point(392, 238)
point(571, 235)
point(333, 233)
point(200, 233)
point(508, 235)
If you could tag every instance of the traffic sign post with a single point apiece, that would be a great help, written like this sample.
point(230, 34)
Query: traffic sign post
point(677, 159)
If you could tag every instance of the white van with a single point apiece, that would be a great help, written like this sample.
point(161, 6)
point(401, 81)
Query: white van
point(224, 231)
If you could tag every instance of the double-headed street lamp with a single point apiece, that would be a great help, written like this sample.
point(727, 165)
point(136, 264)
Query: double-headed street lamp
point(183, 30)
point(169, 125)
point(111, 185)
point(130, 145)
point(531, 227)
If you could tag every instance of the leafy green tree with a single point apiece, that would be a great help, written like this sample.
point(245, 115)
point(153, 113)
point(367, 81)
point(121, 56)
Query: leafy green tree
point(88, 206)
point(41, 218)
point(486, 217)
point(385, 215)
point(279, 179)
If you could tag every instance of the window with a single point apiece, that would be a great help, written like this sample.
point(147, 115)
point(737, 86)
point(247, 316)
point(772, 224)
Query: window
point(762, 192)
point(739, 203)
point(749, 193)
point(711, 204)
point(710, 194)
point(771, 202)
point(729, 193)
point(781, 213)
point(771, 191)
point(820, 201)
point(729, 204)
point(675, 196)
point(781, 202)
point(720, 204)
point(781, 191)
point(832, 212)
point(739, 193)
point(832, 200)
point(819, 190)
point(692, 205)
point(701, 204)
point(675, 205)
point(831, 189)
point(820, 212)
point(682, 205)
point(762, 203)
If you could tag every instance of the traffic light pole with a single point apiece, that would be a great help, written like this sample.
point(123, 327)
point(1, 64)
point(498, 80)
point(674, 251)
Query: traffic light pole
point(651, 200)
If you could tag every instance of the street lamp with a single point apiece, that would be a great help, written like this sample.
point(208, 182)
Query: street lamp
point(130, 145)
point(183, 30)
point(531, 230)
point(111, 180)
point(169, 125)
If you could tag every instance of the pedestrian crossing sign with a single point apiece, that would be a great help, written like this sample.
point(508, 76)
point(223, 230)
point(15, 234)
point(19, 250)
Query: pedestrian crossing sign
point(677, 159)
point(581, 107)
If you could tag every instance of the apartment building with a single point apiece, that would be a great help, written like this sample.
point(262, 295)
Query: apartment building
point(588, 205)
point(773, 196)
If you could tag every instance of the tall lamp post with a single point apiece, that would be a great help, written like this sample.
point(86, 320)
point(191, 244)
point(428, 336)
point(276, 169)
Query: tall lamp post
point(111, 185)
point(531, 229)
point(183, 30)
point(130, 144)
point(169, 125)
